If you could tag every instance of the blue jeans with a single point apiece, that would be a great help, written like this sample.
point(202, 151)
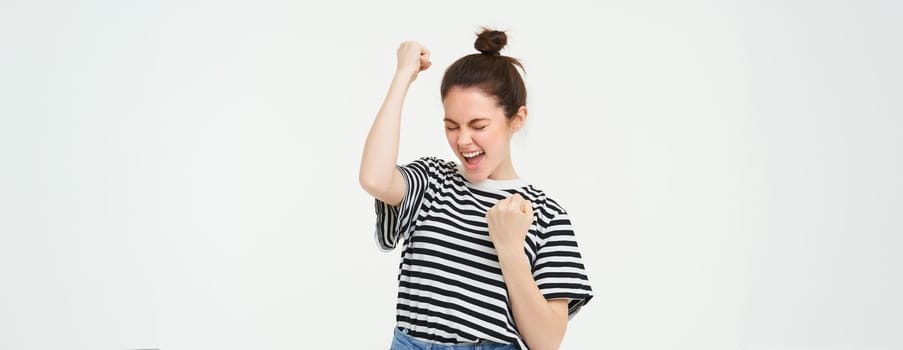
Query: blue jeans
point(403, 341)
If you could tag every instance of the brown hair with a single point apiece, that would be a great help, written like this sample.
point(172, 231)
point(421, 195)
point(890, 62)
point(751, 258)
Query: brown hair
point(496, 75)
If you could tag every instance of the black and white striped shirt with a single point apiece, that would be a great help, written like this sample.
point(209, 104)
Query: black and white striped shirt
point(450, 286)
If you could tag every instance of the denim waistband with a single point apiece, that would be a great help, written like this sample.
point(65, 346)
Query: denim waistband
point(404, 341)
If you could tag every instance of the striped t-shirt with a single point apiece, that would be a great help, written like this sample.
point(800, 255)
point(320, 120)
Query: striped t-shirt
point(450, 285)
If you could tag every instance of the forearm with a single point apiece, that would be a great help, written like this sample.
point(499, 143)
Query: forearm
point(381, 148)
point(540, 322)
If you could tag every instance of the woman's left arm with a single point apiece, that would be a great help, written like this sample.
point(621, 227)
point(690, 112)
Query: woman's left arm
point(541, 323)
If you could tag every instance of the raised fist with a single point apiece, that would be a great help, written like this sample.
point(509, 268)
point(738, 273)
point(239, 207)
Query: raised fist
point(412, 59)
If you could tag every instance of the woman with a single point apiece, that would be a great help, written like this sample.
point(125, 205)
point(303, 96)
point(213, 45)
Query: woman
point(488, 260)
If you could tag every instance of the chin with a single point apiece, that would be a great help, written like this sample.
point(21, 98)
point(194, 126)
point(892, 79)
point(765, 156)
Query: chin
point(475, 176)
point(480, 174)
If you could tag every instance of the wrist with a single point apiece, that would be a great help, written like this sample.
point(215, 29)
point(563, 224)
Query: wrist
point(510, 252)
point(405, 75)
point(512, 260)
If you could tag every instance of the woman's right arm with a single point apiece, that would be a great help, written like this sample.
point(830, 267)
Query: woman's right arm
point(378, 174)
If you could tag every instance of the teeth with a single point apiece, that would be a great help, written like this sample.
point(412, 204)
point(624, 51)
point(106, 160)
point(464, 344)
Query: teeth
point(472, 154)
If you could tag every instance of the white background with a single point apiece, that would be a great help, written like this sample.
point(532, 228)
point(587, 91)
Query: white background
point(183, 174)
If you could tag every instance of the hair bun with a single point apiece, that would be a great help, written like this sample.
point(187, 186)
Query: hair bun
point(490, 42)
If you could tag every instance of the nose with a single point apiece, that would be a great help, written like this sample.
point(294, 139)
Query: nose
point(463, 138)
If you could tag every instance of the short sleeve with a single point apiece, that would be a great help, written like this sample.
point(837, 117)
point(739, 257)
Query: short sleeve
point(393, 223)
point(558, 269)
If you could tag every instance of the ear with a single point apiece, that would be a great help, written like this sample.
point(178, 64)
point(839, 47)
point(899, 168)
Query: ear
point(519, 119)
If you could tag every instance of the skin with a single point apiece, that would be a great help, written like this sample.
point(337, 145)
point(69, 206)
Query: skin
point(473, 121)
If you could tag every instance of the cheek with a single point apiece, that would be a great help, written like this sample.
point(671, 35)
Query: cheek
point(451, 137)
point(493, 140)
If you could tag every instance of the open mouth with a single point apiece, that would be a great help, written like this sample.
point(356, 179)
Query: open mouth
point(472, 159)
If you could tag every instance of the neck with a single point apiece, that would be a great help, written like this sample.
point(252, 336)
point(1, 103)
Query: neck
point(505, 171)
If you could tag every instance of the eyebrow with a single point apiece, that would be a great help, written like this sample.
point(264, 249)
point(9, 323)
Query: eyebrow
point(469, 122)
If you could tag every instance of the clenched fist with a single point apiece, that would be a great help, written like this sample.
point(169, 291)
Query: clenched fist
point(509, 220)
point(413, 58)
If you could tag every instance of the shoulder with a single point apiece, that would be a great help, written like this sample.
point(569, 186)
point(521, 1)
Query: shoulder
point(433, 165)
point(545, 207)
point(551, 217)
